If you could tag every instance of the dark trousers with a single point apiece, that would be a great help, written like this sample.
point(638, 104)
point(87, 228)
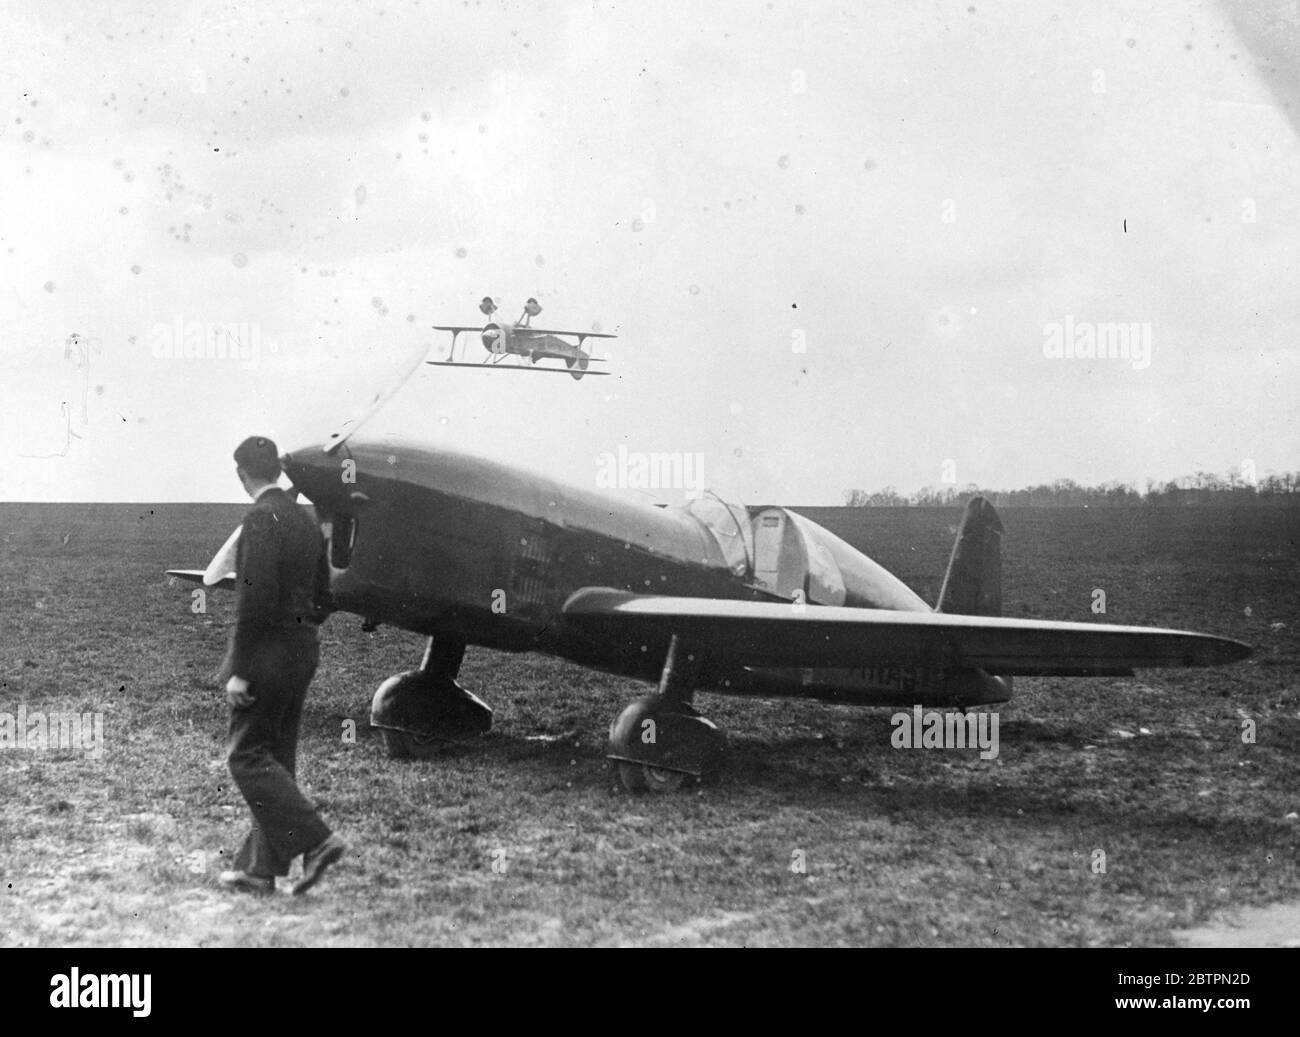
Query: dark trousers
point(263, 752)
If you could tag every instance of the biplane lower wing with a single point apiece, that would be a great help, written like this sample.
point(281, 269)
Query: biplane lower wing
point(517, 367)
point(524, 329)
point(748, 633)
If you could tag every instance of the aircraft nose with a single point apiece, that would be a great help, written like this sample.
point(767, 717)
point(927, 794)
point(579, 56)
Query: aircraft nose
point(310, 470)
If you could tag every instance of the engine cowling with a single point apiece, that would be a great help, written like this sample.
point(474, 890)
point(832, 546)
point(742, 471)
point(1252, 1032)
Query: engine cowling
point(496, 337)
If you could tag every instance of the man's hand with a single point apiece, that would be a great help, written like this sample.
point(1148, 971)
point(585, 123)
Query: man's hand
point(237, 693)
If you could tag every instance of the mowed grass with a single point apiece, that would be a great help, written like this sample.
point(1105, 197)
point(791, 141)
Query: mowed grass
point(898, 847)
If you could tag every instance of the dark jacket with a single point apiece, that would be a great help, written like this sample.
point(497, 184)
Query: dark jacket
point(281, 575)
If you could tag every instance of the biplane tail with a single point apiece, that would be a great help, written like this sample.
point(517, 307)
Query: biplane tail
point(972, 585)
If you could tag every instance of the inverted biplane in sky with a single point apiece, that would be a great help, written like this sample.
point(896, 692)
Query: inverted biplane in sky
point(708, 596)
point(502, 339)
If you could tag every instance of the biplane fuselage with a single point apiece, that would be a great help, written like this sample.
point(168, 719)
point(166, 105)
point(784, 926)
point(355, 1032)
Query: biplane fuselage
point(502, 339)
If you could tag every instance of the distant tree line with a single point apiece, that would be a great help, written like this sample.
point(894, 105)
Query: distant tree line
point(1203, 488)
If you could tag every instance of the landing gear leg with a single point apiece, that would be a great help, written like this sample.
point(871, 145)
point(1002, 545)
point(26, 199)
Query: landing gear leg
point(419, 710)
point(660, 742)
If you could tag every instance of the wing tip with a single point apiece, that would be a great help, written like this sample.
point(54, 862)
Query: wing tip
point(200, 577)
point(1223, 651)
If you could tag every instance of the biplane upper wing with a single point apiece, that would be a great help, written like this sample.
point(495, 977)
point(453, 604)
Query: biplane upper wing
point(749, 633)
point(458, 328)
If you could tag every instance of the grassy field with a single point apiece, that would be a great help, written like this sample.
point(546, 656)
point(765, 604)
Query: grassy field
point(899, 847)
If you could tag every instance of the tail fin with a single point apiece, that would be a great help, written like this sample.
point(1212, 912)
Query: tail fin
point(973, 584)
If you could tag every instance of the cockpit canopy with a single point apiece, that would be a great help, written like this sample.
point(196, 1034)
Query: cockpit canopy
point(729, 526)
point(773, 548)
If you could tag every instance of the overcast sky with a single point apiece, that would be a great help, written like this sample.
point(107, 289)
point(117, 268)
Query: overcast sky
point(832, 238)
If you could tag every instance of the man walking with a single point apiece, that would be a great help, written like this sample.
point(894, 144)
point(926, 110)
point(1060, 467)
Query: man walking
point(283, 583)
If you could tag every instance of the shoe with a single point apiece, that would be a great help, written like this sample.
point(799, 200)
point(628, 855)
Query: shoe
point(316, 860)
point(242, 882)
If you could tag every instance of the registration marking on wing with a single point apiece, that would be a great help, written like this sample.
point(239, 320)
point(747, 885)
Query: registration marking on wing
point(886, 678)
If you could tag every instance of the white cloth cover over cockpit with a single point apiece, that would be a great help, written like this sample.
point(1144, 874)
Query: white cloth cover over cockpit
point(779, 550)
point(789, 557)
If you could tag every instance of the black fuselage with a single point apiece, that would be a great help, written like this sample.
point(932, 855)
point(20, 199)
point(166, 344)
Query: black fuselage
point(455, 546)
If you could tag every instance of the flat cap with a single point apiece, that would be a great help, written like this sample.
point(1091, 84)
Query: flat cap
point(258, 456)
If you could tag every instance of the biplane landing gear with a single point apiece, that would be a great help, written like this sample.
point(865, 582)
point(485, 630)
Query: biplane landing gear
point(660, 742)
point(576, 364)
point(420, 710)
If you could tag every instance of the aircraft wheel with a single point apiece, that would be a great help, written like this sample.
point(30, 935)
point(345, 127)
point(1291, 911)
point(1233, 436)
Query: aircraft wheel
point(641, 777)
point(402, 745)
point(662, 782)
point(396, 744)
point(632, 776)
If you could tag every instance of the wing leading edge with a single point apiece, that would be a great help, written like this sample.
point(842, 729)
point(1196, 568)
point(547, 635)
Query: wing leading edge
point(226, 582)
point(749, 633)
point(517, 367)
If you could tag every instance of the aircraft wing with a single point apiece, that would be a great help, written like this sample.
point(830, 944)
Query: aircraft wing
point(199, 576)
point(516, 367)
point(525, 329)
point(458, 328)
point(221, 570)
point(777, 634)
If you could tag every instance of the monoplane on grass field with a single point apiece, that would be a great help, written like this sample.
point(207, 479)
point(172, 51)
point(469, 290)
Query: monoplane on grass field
point(752, 600)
